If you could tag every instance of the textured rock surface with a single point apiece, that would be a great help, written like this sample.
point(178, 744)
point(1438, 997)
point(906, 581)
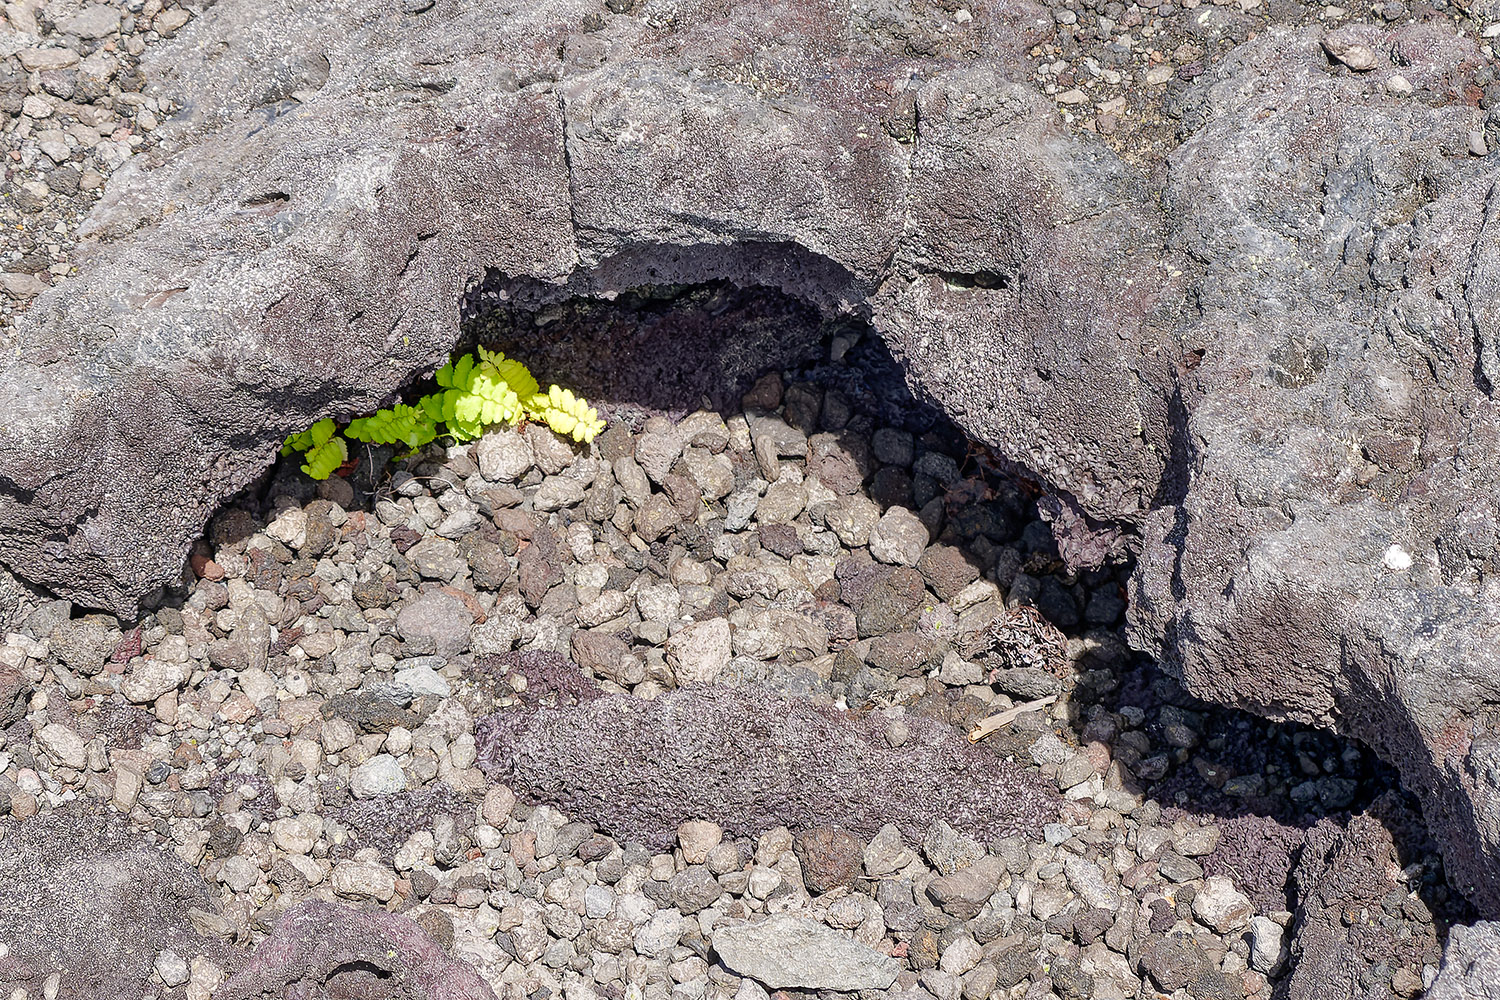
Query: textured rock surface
point(82, 898)
point(1471, 964)
point(326, 950)
point(639, 769)
point(1330, 555)
point(1343, 871)
point(788, 951)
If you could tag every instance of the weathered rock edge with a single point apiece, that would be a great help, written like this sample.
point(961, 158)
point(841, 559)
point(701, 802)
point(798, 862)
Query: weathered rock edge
point(1277, 363)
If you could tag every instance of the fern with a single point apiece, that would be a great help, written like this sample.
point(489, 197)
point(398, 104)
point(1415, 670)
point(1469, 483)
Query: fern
point(565, 413)
point(325, 450)
point(401, 424)
point(475, 392)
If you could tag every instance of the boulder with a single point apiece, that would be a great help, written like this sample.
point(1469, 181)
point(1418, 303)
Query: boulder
point(1325, 549)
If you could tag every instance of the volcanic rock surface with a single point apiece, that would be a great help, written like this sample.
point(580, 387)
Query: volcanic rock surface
point(1275, 359)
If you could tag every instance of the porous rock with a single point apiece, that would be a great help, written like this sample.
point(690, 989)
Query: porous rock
point(263, 269)
point(82, 897)
point(323, 949)
point(639, 769)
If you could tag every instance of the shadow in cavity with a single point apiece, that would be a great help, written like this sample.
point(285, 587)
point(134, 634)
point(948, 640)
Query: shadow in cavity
point(1278, 793)
point(671, 349)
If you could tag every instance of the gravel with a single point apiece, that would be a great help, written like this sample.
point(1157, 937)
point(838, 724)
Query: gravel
point(312, 720)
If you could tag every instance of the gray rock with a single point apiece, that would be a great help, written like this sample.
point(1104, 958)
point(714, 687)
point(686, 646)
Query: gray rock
point(694, 888)
point(887, 853)
point(422, 679)
point(950, 851)
point(1268, 945)
point(899, 537)
point(441, 617)
point(84, 897)
point(965, 892)
point(437, 559)
point(504, 455)
point(642, 768)
point(656, 451)
point(787, 951)
point(557, 492)
point(1361, 340)
point(1471, 964)
point(698, 652)
point(782, 502)
point(380, 775)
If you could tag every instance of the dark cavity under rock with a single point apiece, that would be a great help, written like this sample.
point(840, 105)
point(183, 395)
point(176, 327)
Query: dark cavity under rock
point(752, 760)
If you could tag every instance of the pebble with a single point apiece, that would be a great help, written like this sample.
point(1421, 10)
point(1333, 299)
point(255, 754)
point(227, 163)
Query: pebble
point(898, 538)
point(380, 775)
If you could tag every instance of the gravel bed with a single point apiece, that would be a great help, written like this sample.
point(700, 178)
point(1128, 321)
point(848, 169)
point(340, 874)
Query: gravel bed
point(313, 717)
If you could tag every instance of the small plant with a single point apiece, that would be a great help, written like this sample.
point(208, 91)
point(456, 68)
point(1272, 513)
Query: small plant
point(475, 392)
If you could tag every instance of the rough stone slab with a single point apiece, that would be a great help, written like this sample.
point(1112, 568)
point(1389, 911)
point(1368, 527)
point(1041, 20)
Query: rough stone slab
point(785, 951)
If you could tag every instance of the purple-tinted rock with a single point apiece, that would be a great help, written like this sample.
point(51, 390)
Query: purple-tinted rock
point(639, 769)
point(320, 949)
point(831, 858)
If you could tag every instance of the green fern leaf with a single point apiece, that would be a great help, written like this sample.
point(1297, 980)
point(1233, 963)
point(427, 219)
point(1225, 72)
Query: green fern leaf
point(328, 451)
point(401, 424)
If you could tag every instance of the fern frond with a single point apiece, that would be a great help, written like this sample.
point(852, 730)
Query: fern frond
point(402, 424)
point(566, 413)
point(328, 451)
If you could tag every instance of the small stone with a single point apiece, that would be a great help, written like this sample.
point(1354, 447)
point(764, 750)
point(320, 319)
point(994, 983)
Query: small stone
point(659, 935)
point(1176, 868)
point(698, 652)
point(364, 880)
point(1360, 58)
point(892, 446)
point(964, 893)
point(380, 775)
point(41, 60)
point(783, 501)
point(557, 492)
point(437, 559)
point(1267, 945)
point(787, 951)
point(693, 889)
point(441, 617)
point(171, 967)
point(498, 803)
point(887, 852)
point(948, 850)
point(1221, 906)
point(504, 456)
point(898, 538)
point(63, 746)
point(831, 858)
point(961, 955)
point(1172, 962)
point(150, 679)
point(296, 834)
point(1197, 841)
point(697, 838)
point(422, 680)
